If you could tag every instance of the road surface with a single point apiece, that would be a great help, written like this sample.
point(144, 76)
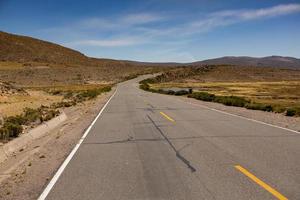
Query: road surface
point(153, 146)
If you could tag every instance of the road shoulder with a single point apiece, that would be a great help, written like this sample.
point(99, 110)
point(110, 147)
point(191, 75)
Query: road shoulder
point(26, 173)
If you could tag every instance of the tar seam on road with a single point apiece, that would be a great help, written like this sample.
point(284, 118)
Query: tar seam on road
point(261, 183)
point(70, 156)
point(178, 155)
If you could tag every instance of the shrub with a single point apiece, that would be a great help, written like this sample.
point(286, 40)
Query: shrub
point(147, 81)
point(204, 96)
point(4, 133)
point(144, 86)
point(63, 104)
point(31, 115)
point(231, 100)
point(18, 119)
point(181, 92)
point(49, 115)
point(90, 94)
point(170, 92)
point(259, 106)
point(13, 130)
point(290, 112)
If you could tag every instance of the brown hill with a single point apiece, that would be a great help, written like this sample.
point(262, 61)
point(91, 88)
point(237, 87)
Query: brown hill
point(270, 61)
point(29, 61)
point(27, 49)
point(228, 73)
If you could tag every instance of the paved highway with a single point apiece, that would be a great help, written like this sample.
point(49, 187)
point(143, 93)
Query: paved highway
point(153, 146)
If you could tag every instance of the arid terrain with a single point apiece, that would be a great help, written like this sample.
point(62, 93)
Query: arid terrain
point(41, 81)
point(268, 86)
point(36, 74)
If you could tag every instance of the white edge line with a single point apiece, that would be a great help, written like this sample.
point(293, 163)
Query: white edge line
point(249, 119)
point(70, 156)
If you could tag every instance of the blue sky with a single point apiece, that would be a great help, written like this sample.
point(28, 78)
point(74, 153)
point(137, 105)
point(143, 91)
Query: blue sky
point(160, 30)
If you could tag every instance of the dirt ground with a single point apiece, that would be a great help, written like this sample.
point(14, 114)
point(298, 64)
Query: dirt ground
point(24, 175)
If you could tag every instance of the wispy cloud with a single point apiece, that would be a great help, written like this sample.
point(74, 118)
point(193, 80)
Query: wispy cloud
point(229, 17)
point(260, 13)
point(141, 28)
point(119, 22)
point(106, 43)
point(141, 18)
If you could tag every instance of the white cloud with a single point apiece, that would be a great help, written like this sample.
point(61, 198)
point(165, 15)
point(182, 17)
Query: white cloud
point(141, 18)
point(105, 43)
point(270, 12)
point(135, 29)
point(229, 17)
point(119, 22)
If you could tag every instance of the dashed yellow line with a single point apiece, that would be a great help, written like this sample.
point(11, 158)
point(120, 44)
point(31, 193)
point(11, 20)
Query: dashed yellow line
point(261, 183)
point(167, 117)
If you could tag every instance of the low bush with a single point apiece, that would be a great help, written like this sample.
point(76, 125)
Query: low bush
point(204, 96)
point(181, 92)
point(259, 106)
point(18, 119)
point(231, 100)
point(10, 130)
point(13, 125)
point(90, 94)
point(63, 104)
point(13, 130)
point(148, 81)
point(31, 115)
point(49, 115)
point(144, 86)
point(170, 92)
point(290, 112)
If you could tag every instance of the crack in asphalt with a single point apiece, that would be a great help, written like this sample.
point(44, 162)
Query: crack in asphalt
point(178, 155)
point(131, 140)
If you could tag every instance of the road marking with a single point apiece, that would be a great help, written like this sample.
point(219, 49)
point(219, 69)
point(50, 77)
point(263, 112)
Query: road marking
point(239, 116)
point(261, 183)
point(70, 156)
point(167, 117)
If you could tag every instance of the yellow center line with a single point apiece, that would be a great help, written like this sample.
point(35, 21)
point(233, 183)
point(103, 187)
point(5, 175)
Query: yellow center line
point(261, 183)
point(167, 117)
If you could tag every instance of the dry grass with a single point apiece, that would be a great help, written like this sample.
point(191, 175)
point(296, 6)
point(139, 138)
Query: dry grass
point(14, 104)
point(277, 93)
point(9, 65)
point(65, 88)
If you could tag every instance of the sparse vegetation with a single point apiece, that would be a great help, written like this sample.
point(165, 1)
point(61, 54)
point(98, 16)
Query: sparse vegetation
point(259, 106)
point(204, 96)
point(293, 111)
point(271, 96)
point(13, 125)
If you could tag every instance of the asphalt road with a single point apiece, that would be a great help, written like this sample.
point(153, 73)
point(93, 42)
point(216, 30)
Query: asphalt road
point(153, 146)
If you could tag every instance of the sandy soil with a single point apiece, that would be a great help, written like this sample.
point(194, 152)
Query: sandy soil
point(25, 175)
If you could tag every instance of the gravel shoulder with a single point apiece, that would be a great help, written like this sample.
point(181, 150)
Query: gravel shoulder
point(25, 174)
point(267, 117)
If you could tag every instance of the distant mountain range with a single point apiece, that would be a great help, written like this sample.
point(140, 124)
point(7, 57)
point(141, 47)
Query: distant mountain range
point(27, 49)
point(270, 61)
